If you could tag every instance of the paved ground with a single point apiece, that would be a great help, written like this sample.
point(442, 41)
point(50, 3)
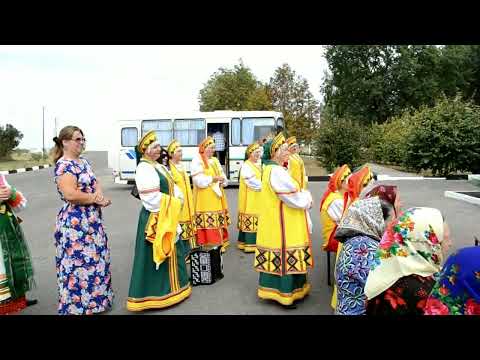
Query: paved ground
point(236, 293)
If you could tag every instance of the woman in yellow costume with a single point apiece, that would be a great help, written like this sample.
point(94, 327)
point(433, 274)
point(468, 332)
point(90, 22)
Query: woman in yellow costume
point(284, 251)
point(209, 198)
point(159, 276)
point(331, 207)
point(357, 182)
point(187, 216)
point(296, 166)
point(249, 198)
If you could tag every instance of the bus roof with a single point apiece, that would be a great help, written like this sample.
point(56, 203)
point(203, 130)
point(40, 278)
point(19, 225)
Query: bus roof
point(210, 114)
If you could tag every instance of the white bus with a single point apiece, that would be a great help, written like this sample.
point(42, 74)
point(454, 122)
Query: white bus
point(240, 129)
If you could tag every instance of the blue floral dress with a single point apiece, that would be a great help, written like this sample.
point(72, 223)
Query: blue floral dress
point(352, 268)
point(82, 252)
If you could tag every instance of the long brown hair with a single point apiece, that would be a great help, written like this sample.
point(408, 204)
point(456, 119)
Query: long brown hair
point(65, 134)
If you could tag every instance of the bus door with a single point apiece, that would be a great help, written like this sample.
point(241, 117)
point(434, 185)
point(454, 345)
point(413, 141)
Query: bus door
point(127, 160)
point(213, 129)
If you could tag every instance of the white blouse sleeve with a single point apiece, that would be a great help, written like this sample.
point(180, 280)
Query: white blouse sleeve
point(198, 176)
point(247, 174)
point(335, 210)
point(287, 189)
point(148, 187)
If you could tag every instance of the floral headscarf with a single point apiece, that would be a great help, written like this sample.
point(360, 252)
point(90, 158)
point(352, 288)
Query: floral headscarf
point(384, 192)
point(363, 217)
point(457, 292)
point(411, 245)
point(335, 182)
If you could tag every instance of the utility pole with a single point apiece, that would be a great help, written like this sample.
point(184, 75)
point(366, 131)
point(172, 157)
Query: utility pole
point(43, 132)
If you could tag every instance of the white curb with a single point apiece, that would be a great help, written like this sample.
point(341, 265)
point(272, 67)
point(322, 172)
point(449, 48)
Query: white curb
point(121, 182)
point(462, 197)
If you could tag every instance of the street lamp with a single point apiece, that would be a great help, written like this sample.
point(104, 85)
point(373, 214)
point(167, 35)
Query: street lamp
point(43, 132)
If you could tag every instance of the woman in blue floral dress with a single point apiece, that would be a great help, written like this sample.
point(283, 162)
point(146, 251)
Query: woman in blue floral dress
point(360, 231)
point(82, 252)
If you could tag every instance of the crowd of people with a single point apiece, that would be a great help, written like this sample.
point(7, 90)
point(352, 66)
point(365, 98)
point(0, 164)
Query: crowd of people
point(389, 260)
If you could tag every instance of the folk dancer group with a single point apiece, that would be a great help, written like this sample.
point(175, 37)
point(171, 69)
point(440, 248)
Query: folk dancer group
point(382, 253)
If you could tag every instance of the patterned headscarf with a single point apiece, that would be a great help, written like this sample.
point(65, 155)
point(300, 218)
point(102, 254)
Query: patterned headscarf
point(411, 245)
point(207, 142)
point(356, 183)
point(335, 182)
point(385, 192)
point(457, 292)
point(363, 217)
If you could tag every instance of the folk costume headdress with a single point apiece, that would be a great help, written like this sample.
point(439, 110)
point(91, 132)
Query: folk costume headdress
point(335, 182)
point(206, 143)
point(148, 139)
point(173, 147)
point(250, 149)
point(271, 147)
point(356, 183)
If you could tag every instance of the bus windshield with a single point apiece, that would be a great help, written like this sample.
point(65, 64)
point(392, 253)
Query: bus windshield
point(254, 129)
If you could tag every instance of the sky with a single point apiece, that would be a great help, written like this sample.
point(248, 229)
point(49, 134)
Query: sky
point(93, 86)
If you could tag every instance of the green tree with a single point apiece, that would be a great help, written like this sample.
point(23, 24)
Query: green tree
point(445, 138)
point(461, 71)
point(371, 83)
point(339, 142)
point(291, 96)
point(10, 138)
point(234, 89)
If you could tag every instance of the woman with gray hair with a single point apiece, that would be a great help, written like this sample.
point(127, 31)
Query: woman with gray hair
point(360, 231)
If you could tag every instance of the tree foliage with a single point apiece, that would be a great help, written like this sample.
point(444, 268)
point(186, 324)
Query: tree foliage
point(339, 142)
point(445, 138)
point(291, 96)
point(10, 138)
point(234, 89)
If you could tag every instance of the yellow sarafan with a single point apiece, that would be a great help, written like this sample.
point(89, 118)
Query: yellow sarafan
point(211, 211)
point(328, 225)
point(248, 202)
point(296, 168)
point(283, 241)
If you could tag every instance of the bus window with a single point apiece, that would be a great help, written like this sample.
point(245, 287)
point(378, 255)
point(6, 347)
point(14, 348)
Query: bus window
point(129, 136)
point(189, 131)
point(236, 131)
point(254, 129)
point(163, 128)
point(280, 123)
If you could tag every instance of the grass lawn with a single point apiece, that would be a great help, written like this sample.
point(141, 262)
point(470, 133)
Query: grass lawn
point(18, 164)
point(18, 160)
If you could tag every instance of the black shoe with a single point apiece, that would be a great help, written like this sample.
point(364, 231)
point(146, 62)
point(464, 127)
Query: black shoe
point(291, 306)
point(32, 302)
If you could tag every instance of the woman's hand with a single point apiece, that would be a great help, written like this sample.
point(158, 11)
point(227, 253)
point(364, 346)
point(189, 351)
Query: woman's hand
point(218, 179)
point(104, 203)
point(5, 193)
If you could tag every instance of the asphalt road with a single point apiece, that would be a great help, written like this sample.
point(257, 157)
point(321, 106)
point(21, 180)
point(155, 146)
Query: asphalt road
point(236, 292)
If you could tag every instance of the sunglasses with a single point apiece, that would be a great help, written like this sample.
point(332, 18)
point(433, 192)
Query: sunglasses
point(79, 139)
